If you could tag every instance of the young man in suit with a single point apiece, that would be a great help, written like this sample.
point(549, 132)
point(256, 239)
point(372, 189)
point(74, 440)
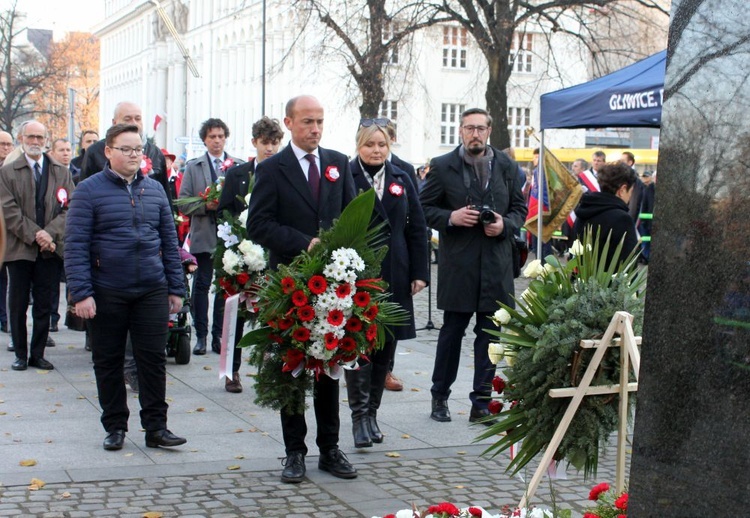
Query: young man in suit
point(291, 202)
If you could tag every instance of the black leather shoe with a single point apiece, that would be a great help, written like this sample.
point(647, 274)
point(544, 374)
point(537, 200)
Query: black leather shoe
point(200, 346)
point(11, 347)
point(335, 462)
point(114, 440)
point(50, 342)
point(294, 468)
point(53, 328)
point(4, 327)
point(41, 363)
point(216, 345)
point(440, 411)
point(361, 432)
point(481, 416)
point(375, 434)
point(163, 438)
point(19, 365)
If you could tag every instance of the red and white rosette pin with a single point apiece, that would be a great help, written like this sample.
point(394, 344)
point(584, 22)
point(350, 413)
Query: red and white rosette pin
point(332, 173)
point(62, 196)
point(146, 165)
point(226, 164)
point(396, 189)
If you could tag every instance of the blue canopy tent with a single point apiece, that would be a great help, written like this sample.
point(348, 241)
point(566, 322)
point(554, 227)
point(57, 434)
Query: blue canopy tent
point(630, 97)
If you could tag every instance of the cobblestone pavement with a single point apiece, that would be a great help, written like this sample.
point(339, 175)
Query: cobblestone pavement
point(231, 464)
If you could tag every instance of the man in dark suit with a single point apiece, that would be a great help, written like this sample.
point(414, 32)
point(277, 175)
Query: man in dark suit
point(88, 138)
point(34, 190)
point(291, 202)
point(473, 198)
point(267, 137)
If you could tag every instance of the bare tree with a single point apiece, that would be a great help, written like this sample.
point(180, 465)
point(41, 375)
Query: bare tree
point(23, 69)
point(494, 24)
point(371, 35)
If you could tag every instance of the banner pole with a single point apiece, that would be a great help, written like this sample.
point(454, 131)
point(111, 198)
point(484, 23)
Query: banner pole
point(540, 195)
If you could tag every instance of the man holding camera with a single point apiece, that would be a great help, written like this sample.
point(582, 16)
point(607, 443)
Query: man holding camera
point(473, 198)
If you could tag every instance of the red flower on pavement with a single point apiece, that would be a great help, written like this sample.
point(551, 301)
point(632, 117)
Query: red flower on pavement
point(335, 317)
point(475, 511)
point(445, 508)
point(347, 344)
point(343, 290)
point(622, 502)
point(242, 278)
point(362, 299)
point(371, 312)
point(287, 285)
point(285, 323)
point(353, 325)
point(495, 406)
point(372, 332)
point(498, 384)
point(317, 284)
point(305, 313)
point(389, 516)
point(598, 490)
point(301, 334)
point(331, 341)
point(299, 298)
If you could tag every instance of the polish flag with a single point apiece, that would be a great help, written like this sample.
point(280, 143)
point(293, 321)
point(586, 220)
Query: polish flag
point(157, 120)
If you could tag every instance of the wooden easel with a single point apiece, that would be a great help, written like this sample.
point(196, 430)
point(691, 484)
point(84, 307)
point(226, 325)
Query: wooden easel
point(622, 325)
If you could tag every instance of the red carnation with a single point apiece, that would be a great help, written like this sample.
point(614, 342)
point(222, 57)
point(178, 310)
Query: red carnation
point(287, 285)
point(372, 332)
point(353, 325)
point(305, 313)
point(475, 511)
point(317, 284)
point(242, 278)
point(362, 299)
point(495, 406)
point(621, 516)
point(301, 334)
point(299, 298)
point(590, 515)
point(343, 290)
point(347, 344)
point(622, 502)
point(335, 317)
point(331, 341)
point(598, 490)
point(292, 358)
point(445, 508)
point(285, 323)
point(371, 312)
point(498, 384)
point(389, 516)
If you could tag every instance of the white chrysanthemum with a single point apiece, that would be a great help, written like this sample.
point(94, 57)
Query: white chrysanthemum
point(231, 262)
point(253, 255)
point(317, 350)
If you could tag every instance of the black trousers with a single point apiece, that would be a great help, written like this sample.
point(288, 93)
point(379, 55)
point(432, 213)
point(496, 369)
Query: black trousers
point(238, 330)
point(38, 277)
point(3, 294)
point(326, 405)
point(448, 355)
point(199, 303)
point(145, 316)
point(55, 299)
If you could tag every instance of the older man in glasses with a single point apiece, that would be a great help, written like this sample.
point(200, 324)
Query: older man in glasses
point(473, 198)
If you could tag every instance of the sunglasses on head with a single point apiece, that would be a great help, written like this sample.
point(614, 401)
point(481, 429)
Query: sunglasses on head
point(366, 123)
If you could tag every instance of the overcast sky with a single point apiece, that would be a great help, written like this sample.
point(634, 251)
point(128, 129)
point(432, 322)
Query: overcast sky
point(60, 15)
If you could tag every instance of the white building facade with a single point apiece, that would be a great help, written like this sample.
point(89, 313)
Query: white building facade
point(438, 73)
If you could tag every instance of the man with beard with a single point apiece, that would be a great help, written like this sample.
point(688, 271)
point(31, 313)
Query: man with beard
point(473, 198)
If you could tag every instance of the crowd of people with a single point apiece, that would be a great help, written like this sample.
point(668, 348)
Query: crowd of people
point(108, 216)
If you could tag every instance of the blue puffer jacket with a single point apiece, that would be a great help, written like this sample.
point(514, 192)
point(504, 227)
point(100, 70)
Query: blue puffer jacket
point(118, 241)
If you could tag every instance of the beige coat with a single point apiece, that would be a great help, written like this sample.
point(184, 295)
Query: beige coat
point(18, 203)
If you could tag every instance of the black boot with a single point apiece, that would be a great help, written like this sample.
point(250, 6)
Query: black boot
point(377, 385)
point(358, 389)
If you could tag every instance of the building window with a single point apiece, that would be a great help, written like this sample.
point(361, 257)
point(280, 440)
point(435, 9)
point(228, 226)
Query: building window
point(454, 47)
point(389, 110)
point(518, 120)
point(450, 121)
point(520, 52)
point(389, 29)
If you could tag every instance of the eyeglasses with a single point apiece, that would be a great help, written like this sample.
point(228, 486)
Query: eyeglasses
point(129, 151)
point(471, 129)
point(381, 122)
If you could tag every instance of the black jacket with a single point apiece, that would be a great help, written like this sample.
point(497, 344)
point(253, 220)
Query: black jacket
point(606, 214)
point(235, 188)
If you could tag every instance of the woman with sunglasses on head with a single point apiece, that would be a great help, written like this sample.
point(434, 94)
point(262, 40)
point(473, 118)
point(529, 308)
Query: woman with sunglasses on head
point(404, 267)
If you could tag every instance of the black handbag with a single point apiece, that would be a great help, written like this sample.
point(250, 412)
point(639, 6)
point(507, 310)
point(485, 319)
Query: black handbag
point(520, 254)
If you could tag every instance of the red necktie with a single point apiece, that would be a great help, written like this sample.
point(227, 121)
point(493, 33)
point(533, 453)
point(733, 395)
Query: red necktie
point(313, 177)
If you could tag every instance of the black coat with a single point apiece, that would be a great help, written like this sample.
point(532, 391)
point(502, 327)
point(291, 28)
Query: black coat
point(606, 213)
point(475, 271)
point(283, 217)
point(406, 234)
point(235, 188)
point(405, 167)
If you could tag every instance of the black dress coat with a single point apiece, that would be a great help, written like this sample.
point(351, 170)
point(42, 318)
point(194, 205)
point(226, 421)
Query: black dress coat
point(606, 213)
point(406, 233)
point(282, 217)
point(405, 167)
point(236, 183)
point(474, 270)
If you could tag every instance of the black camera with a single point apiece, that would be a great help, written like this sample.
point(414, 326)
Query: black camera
point(486, 214)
